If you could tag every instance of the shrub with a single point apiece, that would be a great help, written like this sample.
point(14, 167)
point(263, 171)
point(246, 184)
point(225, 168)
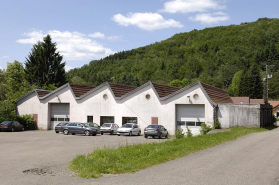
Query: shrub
point(179, 134)
point(217, 124)
point(205, 129)
point(189, 132)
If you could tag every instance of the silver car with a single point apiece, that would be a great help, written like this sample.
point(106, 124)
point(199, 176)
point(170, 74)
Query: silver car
point(79, 128)
point(110, 128)
point(129, 129)
point(156, 130)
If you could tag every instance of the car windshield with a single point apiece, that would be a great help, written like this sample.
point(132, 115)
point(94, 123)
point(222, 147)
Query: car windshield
point(6, 122)
point(153, 126)
point(127, 126)
point(106, 125)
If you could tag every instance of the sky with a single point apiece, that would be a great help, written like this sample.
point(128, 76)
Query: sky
point(86, 30)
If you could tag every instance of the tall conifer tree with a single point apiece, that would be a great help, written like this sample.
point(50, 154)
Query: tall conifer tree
point(44, 66)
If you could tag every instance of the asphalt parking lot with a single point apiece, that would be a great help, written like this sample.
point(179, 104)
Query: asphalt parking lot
point(41, 157)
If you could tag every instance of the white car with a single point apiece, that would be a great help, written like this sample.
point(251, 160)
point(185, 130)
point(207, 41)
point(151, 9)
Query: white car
point(109, 128)
point(129, 129)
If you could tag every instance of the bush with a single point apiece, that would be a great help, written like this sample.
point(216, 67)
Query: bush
point(217, 124)
point(205, 129)
point(179, 134)
point(26, 120)
point(189, 132)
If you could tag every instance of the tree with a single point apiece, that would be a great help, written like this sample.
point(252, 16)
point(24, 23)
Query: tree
point(3, 88)
point(44, 66)
point(17, 86)
point(256, 85)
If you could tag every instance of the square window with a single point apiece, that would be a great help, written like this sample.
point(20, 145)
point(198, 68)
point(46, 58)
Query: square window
point(190, 123)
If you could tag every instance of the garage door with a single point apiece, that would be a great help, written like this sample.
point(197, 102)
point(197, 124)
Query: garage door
point(59, 113)
point(191, 116)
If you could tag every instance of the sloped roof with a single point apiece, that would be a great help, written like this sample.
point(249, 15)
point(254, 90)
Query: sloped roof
point(275, 104)
point(238, 100)
point(256, 101)
point(120, 90)
point(164, 90)
point(42, 93)
point(217, 95)
point(80, 90)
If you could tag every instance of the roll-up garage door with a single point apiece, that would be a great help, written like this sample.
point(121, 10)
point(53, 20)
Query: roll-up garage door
point(190, 115)
point(60, 113)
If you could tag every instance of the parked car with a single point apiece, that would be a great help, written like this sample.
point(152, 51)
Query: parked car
point(109, 128)
point(95, 125)
point(156, 130)
point(59, 127)
point(79, 128)
point(129, 129)
point(11, 126)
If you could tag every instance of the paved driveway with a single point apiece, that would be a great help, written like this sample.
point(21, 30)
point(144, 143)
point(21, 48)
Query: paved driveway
point(252, 159)
point(51, 152)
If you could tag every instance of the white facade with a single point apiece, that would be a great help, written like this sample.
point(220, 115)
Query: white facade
point(101, 101)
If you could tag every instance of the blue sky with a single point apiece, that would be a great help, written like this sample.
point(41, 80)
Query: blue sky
point(86, 30)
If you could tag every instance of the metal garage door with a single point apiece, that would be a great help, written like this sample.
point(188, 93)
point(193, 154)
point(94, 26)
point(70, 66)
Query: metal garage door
point(190, 115)
point(59, 113)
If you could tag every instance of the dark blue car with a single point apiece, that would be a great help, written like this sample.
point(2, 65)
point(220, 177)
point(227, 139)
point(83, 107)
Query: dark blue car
point(11, 126)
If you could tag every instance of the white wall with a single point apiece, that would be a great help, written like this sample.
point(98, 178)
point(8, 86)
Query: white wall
point(134, 105)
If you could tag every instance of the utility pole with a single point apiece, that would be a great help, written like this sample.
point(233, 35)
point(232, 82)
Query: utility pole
point(267, 76)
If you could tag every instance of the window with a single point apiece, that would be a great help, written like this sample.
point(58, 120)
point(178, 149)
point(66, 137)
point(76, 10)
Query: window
point(277, 114)
point(60, 119)
point(147, 96)
point(53, 119)
point(190, 123)
point(90, 119)
point(105, 96)
point(180, 123)
point(198, 123)
point(67, 119)
point(129, 120)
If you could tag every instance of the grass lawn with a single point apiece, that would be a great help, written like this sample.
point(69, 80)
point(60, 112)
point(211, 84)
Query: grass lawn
point(132, 158)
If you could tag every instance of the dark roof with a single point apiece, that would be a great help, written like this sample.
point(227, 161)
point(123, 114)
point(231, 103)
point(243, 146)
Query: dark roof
point(42, 93)
point(119, 89)
point(79, 90)
point(239, 100)
point(216, 95)
point(164, 90)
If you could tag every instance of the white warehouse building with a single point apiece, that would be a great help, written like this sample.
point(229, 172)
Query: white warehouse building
point(151, 103)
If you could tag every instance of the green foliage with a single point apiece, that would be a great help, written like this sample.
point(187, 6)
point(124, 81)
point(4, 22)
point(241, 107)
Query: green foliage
point(217, 124)
point(16, 85)
point(3, 86)
point(179, 134)
point(205, 129)
point(132, 158)
point(44, 65)
point(26, 120)
point(189, 132)
point(7, 108)
point(213, 55)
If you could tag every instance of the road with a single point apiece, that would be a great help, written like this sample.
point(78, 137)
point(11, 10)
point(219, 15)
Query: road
point(252, 159)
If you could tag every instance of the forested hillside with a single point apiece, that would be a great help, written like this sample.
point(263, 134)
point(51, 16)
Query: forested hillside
point(229, 57)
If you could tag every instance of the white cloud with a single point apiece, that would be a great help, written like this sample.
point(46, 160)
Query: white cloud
point(6, 57)
point(188, 6)
point(97, 35)
point(72, 45)
point(210, 18)
point(68, 68)
point(146, 21)
point(114, 37)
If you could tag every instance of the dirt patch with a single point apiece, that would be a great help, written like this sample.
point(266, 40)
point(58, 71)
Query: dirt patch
point(51, 171)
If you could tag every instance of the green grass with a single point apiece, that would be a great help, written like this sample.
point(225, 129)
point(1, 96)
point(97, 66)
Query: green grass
point(132, 158)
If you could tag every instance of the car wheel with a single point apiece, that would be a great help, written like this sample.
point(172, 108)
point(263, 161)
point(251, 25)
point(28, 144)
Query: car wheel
point(12, 129)
point(166, 137)
point(66, 132)
point(153, 137)
point(160, 136)
point(94, 134)
point(145, 136)
point(56, 132)
point(87, 133)
point(22, 129)
point(102, 133)
point(130, 133)
point(111, 132)
point(73, 134)
point(139, 133)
